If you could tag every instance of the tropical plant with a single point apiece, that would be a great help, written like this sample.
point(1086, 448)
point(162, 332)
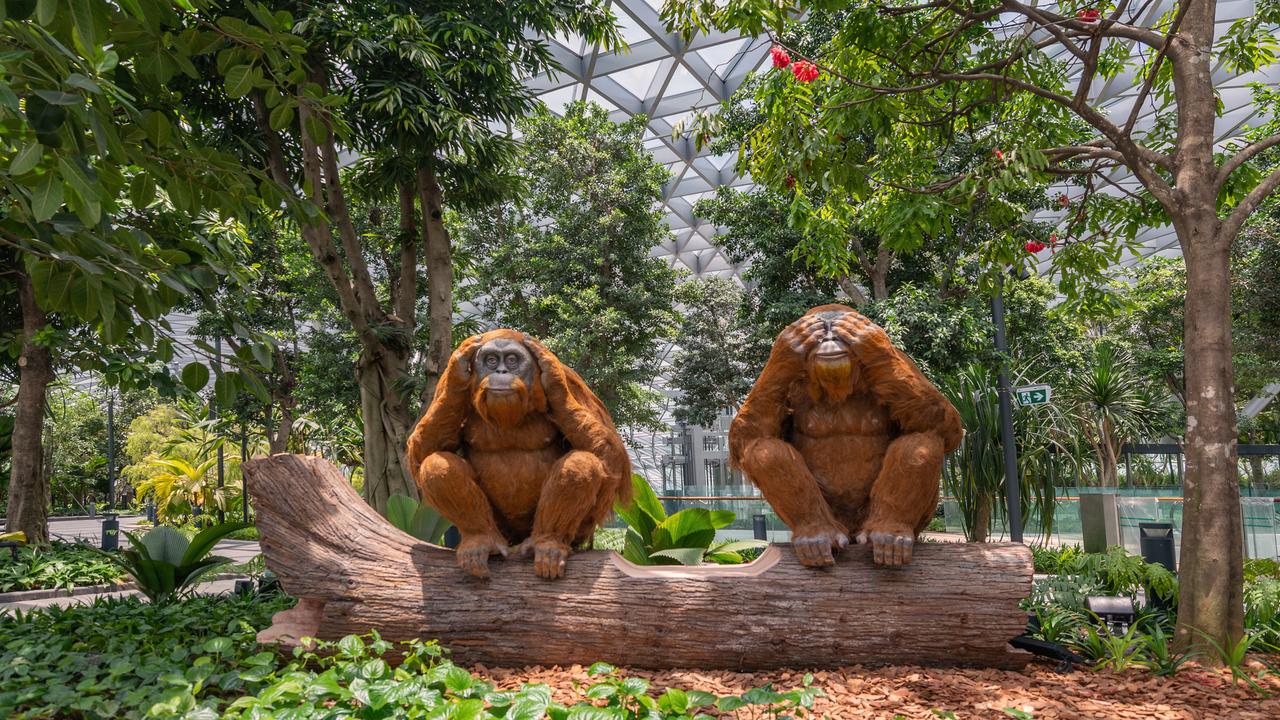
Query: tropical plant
point(1107, 651)
point(1057, 624)
point(181, 485)
point(1157, 654)
point(165, 565)
point(974, 473)
point(1235, 657)
point(1109, 407)
point(686, 538)
point(417, 519)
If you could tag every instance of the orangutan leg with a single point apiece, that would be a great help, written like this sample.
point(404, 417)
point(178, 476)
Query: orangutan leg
point(903, 497)
point(784, 479)
point(576, 481)
point(448, 484)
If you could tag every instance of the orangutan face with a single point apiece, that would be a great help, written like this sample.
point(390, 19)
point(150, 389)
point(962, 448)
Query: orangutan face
point(832, 368)
point(504, 375)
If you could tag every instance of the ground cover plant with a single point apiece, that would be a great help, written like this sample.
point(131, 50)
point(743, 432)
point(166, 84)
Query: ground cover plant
point(123, 658)
point(57, 565)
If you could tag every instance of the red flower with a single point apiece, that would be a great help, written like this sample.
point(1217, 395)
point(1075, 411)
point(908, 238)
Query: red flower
point(1053, 239)
point(998, 153)
point(780, 57)
point(1034, 246)
point(791, 181)
point(805, 71)
point(1063, 200)
point(1090, 16)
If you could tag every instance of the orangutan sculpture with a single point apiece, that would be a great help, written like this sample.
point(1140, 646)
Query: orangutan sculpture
point(845, 436)
point(516, 449)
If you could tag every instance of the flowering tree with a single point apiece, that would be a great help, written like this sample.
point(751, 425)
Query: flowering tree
point(1022, 79)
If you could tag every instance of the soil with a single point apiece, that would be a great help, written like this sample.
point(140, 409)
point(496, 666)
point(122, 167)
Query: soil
point(1038, 691)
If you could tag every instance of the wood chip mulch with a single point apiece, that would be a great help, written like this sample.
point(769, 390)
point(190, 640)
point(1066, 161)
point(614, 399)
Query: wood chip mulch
point(1195, 693)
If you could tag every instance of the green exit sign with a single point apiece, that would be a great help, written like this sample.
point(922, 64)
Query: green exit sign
point(1034, 395)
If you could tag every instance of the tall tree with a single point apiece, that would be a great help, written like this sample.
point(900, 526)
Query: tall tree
point(572, 265)
point(1023, 78)
point(415, 91)
point(113, 211)
point(717, 360)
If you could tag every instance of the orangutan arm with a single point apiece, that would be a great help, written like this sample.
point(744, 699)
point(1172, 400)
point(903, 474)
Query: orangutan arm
point(581, 418)
point(765, 409)
point(441, 427)
point(896, 381)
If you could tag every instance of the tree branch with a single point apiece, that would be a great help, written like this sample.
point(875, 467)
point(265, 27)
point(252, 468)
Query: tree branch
point(1230, 227)
point(1245, 154)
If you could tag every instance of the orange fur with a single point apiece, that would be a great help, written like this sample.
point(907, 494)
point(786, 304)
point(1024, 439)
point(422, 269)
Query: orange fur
point(846, 445)
point(543, 463)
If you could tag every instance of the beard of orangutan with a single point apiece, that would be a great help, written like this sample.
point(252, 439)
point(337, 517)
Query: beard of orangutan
point(503, 410)
point(832, 379)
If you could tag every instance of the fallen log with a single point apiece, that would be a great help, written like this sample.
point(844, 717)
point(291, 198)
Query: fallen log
point(955, 604)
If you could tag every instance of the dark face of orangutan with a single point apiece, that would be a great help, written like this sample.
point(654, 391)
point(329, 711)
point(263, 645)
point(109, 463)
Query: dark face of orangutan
point(832, 370)
point(504, 378)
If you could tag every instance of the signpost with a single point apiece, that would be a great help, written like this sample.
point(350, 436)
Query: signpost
point(1034, 395)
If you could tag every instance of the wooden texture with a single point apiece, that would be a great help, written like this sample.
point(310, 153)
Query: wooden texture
point(954, 605)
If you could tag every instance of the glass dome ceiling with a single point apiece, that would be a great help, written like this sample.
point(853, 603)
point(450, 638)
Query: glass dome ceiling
point(666, 79)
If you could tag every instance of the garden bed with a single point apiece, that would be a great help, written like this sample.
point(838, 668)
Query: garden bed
point(915, 692)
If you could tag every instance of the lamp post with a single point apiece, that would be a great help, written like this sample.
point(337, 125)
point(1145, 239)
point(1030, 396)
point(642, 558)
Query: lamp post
point(222, 513)
point(111, 451)
point(1013, 486)
point(244, 483)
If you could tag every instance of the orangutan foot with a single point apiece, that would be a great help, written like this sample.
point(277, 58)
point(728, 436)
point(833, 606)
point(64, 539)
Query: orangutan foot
point(474, 551)
point(889, 547)
point(549, 556)
point(816, 547)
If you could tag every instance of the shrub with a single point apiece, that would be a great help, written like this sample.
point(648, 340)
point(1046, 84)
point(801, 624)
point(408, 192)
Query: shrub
point(60, 565)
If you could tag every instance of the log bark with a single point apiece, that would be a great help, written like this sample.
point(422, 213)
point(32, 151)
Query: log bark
point(956, 604)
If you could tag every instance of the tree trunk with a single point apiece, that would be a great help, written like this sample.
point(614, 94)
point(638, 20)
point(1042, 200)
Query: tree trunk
point(981, 530)
point(278, 441)
point(439, 257)
point(387, 422)
point(1211, 604)
point(955, 604)
point(28, 480)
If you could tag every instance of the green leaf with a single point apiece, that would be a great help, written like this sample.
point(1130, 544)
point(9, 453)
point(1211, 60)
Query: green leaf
point(204, 540)
point(684, 556)
point(400, 511)
point(722, 518)
point(195, 376)
point(240, 80)
point(26, 159)
point(225, 389)
point(281, 116)
point(690, 527)
point(47, 198)
point(165, 544)
point(142, 191)
point(316, 129)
